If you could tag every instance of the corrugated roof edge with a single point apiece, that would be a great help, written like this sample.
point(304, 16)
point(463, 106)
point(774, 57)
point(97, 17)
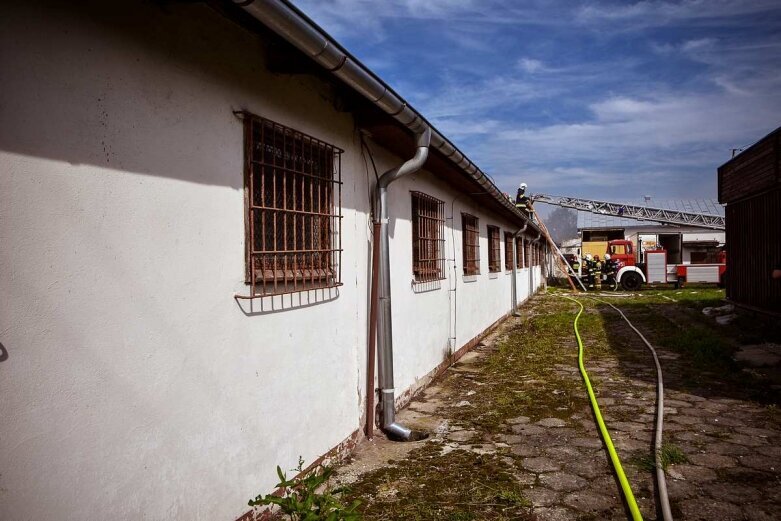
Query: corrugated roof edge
point(298, 29)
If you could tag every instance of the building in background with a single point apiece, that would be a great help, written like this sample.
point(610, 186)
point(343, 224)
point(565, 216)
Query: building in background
point(160, 159)
point(750, 186)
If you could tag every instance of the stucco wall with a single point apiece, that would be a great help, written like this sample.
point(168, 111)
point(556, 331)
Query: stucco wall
point(134, 384)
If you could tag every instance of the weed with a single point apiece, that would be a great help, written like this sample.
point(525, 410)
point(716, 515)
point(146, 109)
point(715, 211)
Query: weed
point(671, 454)
point(307, 498)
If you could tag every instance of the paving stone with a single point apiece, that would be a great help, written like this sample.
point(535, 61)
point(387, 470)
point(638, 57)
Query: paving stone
point(732, 492)
point(563, 481)
point(685, 420)
point(525, 478)
point(679, 489)
point(540, 464)
point(554, 514)
point(760, 462)
point(693, 472)
point(730, 449)
point(589, 468)
point(755, 431)
point(676, 403)
point(590, 501)
point(463, 435)
point(541, 496)
point(774, 450)
point(552, 422)
point(524, 450)
point(748, 441)
point(428, 406)
point(760, 512)
point(564, 452)
point(518, 420)
point(512, 439)
point(526, 429)
point(712, 461)
point(702, 509)
point(588, 443)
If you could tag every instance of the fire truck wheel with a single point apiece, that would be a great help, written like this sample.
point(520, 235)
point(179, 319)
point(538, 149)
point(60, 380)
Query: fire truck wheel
point(631, 281)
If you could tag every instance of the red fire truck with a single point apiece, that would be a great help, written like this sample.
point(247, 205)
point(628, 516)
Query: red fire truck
point(650, 266)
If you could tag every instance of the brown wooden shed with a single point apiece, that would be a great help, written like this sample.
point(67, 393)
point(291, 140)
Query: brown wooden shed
point(750, 186)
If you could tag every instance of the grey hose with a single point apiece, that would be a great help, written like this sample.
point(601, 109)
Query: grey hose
point(660, 477)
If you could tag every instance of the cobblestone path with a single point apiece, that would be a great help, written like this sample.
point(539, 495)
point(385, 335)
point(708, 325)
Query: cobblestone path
point(514, 436)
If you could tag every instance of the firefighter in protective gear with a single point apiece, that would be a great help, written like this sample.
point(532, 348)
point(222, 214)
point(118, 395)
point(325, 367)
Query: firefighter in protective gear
point(598, 272)
point(609, 272)
point(575, 265)
point(522, 200)
point(588, 271)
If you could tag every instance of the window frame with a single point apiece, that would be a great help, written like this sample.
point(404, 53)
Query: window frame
point(520, 252)
point(301, 220)
point(508, 251)
point(494, 249)
point(428, 216)
point(470, 240)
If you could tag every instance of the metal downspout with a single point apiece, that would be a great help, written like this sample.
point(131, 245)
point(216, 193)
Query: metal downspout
point(532, 289)
point(388, 424)
point(515, 270)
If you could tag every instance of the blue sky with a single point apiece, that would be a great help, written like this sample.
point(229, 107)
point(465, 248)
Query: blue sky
point(599, 99)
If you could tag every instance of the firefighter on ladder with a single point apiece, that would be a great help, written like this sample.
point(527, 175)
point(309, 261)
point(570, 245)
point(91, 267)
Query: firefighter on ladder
point(522, 201)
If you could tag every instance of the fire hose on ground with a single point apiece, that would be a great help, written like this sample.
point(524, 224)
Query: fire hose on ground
point(616, 462)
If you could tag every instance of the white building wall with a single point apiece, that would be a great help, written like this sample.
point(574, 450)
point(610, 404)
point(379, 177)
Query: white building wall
point(134, 384)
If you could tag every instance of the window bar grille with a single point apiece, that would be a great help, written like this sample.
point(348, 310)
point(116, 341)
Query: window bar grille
point(471, 244)
point(428, 238)
point(494, 249)
point(293, 228)
point(508, 251)
point(519, 252)
point(527, 253)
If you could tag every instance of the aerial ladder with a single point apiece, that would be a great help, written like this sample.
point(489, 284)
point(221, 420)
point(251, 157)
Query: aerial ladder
point(631, 273)
point(630, 211)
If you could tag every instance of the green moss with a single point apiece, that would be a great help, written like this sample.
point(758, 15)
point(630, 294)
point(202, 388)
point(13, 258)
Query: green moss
point(458, 485)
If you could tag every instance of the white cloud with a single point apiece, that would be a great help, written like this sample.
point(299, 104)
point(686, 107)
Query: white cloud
point(531, 65)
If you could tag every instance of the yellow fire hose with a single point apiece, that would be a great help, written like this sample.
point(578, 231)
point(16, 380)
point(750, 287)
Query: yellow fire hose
point(625, 487)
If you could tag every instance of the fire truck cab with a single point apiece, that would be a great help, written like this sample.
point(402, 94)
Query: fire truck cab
point(632, 273)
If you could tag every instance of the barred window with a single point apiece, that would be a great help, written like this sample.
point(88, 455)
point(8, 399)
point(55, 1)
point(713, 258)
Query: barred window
point(293, 209)
point(519, 250)
point(527, 255)
point(471, 244)
point(428, 238)
point(508, 251)
point(494, 250)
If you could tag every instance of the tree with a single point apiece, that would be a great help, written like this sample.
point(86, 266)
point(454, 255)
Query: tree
point(562, 224)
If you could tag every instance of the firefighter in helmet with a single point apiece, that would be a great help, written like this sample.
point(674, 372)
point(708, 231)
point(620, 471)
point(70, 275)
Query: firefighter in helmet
point(588, 271)
point(598, 272)
point(522, 200)
point(609, 272)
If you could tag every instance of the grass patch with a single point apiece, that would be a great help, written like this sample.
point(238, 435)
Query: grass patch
point(669, 454)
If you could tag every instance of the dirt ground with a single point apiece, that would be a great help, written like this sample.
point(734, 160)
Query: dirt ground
point(513, 435)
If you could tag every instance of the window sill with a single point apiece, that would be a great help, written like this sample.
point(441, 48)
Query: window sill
point(470, 278)
point(493, 275)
